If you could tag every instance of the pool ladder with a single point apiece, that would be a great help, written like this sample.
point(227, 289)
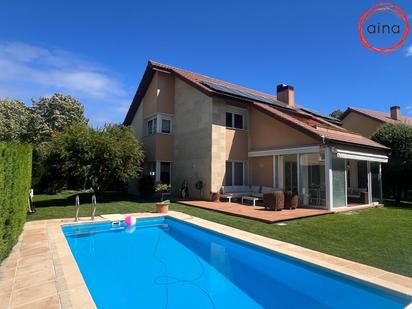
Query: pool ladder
point(93, 208)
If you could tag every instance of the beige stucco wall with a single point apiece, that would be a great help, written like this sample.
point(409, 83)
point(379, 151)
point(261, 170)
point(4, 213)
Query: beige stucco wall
point(363, 125)
point(268, 133)
point(166, 94)
point(137, 123)
point(149, 101)
point(193, 137)
point(218, 145)
point(149, 146)
point(261, 171)
point(164, 147)
point(236, 144)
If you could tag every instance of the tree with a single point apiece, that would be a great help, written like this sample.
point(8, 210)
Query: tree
point(60, 111)
point(336, 114)
point(21, 123)
point(13, 120)
point(398, 172)
point(97, 158)
point(118, 156)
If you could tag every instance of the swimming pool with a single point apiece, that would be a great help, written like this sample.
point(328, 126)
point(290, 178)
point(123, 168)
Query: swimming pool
point(167, 263)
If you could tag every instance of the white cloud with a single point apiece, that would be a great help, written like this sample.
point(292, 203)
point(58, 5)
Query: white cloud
point(21, 62)
point(409, 109)
point(28, 71)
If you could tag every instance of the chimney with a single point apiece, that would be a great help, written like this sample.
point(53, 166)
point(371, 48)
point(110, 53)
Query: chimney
point(286, 94)
point(395, 112)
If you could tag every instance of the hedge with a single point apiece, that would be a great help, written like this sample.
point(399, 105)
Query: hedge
point(15, 179)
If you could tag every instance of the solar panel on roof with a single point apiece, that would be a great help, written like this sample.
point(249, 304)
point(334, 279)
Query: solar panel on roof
point(243, 94)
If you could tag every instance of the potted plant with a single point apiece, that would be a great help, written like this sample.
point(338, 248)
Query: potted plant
point(162, 206)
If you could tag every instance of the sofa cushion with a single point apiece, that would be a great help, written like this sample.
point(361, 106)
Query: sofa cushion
point(267, 190)
point(227, 189)
point(255, 189)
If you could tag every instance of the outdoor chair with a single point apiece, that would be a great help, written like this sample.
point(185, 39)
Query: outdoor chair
point(291, 200)
point(274, 201)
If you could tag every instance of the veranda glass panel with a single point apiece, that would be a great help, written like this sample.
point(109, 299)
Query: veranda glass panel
point(376, 182)
point(338, 182)
point(290, 173)
point(312, 180)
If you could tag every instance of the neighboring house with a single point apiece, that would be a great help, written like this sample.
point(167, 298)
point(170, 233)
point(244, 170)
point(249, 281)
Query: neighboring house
point(194, 127)
point(366, 122)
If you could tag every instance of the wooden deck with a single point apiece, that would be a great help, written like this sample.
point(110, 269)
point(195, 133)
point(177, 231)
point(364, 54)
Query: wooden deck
point(258, 212)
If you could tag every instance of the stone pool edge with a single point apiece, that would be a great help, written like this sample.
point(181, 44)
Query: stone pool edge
point(43, 249)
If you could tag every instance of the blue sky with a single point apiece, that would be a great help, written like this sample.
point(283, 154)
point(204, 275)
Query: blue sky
point(97, 50)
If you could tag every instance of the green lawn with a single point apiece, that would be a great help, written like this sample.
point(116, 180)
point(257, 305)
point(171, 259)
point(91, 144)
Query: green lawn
point(380, 237)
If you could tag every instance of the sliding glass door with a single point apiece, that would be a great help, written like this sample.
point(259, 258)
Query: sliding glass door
point(312, 180)
point(338, 182)
point(289, 172)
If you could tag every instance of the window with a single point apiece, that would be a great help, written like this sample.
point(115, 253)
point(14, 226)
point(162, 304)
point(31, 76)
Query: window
point(234, 121)
point(165, 172)
point(238, 173)
point(229, 120)
point(234, 175)
point(228, 174)
point(238, 121)
point(159, 123)
point(166, 125)
point(150, 169)
point(151, 126)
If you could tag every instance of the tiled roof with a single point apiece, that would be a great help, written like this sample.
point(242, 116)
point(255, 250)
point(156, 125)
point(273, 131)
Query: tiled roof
point(199, 78)
point(381, 116)
point(321, 131)
point(302, 119)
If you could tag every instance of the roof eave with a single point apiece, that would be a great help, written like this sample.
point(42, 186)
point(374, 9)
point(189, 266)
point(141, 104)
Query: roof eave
point(332, 142)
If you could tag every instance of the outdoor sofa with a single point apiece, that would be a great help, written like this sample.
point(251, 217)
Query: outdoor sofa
point(231, 192)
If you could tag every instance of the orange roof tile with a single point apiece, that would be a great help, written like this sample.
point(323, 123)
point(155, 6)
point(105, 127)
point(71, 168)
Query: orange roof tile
point(381, 116)
point(300, 118)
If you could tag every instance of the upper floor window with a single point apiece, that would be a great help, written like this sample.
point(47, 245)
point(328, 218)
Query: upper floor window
point(159, 124)
point(151, 126)
point(234, 120)
point(166, 125)
point(235, 173)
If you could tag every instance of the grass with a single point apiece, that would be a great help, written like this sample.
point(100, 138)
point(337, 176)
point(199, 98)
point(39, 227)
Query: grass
point(380, 237)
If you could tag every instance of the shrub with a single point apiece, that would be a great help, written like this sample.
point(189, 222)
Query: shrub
point(83, 157)
point(15, 178)
point(397, 173)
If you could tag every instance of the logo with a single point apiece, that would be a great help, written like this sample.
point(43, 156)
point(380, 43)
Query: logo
point(383, 28)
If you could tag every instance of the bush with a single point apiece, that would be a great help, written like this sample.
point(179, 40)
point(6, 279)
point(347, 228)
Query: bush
point(397, 174)
point(83, 157)
point(146, 186)
point(15, 178)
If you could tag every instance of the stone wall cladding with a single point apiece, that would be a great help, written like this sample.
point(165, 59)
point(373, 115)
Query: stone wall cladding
point(193, 139)
point(218, 144)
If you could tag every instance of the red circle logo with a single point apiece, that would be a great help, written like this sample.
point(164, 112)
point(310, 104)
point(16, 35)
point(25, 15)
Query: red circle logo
point(383, 8)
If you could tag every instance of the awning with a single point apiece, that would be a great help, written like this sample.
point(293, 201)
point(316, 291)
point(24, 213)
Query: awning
point(364, 156)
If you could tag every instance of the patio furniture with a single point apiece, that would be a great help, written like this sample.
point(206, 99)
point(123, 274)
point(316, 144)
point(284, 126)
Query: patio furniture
point(229, 192)
point(227, 196)
point(274, 201)
point(357, 195)
point(253, 199)
point(215, 197)
point(291, 200)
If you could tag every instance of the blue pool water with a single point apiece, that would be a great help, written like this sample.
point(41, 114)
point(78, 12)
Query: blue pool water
point(166, 263)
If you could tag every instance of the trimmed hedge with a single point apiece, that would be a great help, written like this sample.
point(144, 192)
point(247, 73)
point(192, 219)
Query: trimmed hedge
point(15, 179)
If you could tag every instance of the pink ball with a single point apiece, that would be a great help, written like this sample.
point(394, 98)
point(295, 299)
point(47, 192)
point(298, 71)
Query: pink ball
point(130, 220)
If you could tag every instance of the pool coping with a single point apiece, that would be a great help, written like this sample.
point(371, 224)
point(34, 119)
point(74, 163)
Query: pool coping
point(66, 287)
